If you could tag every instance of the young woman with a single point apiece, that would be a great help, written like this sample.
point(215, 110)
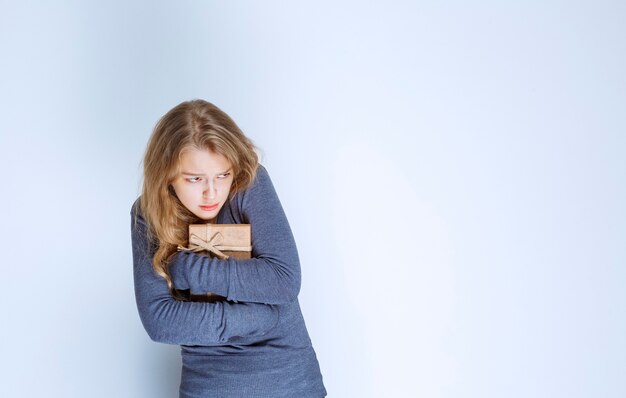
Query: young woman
point(199, 167)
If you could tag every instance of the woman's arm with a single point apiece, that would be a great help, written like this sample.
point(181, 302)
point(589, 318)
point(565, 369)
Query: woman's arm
point(168, 320)
point(272, 276)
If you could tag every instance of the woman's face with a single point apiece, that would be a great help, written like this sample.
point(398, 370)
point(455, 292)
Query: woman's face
point(203, 183)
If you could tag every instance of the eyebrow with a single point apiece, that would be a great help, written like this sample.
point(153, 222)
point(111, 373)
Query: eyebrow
point(188, 173)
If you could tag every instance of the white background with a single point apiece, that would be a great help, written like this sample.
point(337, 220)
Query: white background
point(454, 174)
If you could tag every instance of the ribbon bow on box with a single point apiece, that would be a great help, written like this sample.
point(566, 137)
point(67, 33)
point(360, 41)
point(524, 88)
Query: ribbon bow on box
point(220, 238)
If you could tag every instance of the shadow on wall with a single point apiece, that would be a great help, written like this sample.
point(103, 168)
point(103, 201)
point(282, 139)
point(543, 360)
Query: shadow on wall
point(163, 363)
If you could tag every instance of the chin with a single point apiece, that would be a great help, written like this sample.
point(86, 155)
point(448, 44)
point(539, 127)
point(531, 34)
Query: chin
point(207, 216)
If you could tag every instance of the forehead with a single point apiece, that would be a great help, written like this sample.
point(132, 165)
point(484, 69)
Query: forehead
point(202, 161)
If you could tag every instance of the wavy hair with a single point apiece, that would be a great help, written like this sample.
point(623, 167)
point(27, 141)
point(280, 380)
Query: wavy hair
point(191, 124)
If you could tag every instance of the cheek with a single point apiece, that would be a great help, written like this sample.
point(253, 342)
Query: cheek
point(224, 186)
point(185, 192)
point(194, 191)
point(227, 189)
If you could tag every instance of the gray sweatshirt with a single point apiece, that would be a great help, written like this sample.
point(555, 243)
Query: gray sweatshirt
point(254, 344)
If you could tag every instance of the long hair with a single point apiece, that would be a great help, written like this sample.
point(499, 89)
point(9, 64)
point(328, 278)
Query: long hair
point(192, 124)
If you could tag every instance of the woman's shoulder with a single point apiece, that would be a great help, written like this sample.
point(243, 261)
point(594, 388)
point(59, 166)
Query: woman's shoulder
point(135, 209)
point(261, 190)
point(260, 183)
point(261, 172)
point(136, 215)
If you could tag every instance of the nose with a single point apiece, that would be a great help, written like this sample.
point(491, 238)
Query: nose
point(209, 189)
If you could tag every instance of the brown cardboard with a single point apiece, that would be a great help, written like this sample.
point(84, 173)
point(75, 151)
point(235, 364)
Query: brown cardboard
point(230, 240)
point(236, 240)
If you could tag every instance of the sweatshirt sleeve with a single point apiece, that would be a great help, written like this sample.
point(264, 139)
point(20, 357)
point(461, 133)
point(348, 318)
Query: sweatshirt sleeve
point(272, 276)
point(168, 320)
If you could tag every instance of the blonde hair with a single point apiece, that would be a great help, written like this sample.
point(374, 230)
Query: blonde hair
point(192, 124)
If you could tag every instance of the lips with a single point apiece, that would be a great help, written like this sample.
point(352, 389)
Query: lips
point(209, 207)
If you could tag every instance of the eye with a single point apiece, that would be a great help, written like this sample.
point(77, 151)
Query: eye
point(222, 176)
point(193, 179)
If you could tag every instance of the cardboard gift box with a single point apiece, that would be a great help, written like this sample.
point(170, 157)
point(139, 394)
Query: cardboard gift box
point(221, 240)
